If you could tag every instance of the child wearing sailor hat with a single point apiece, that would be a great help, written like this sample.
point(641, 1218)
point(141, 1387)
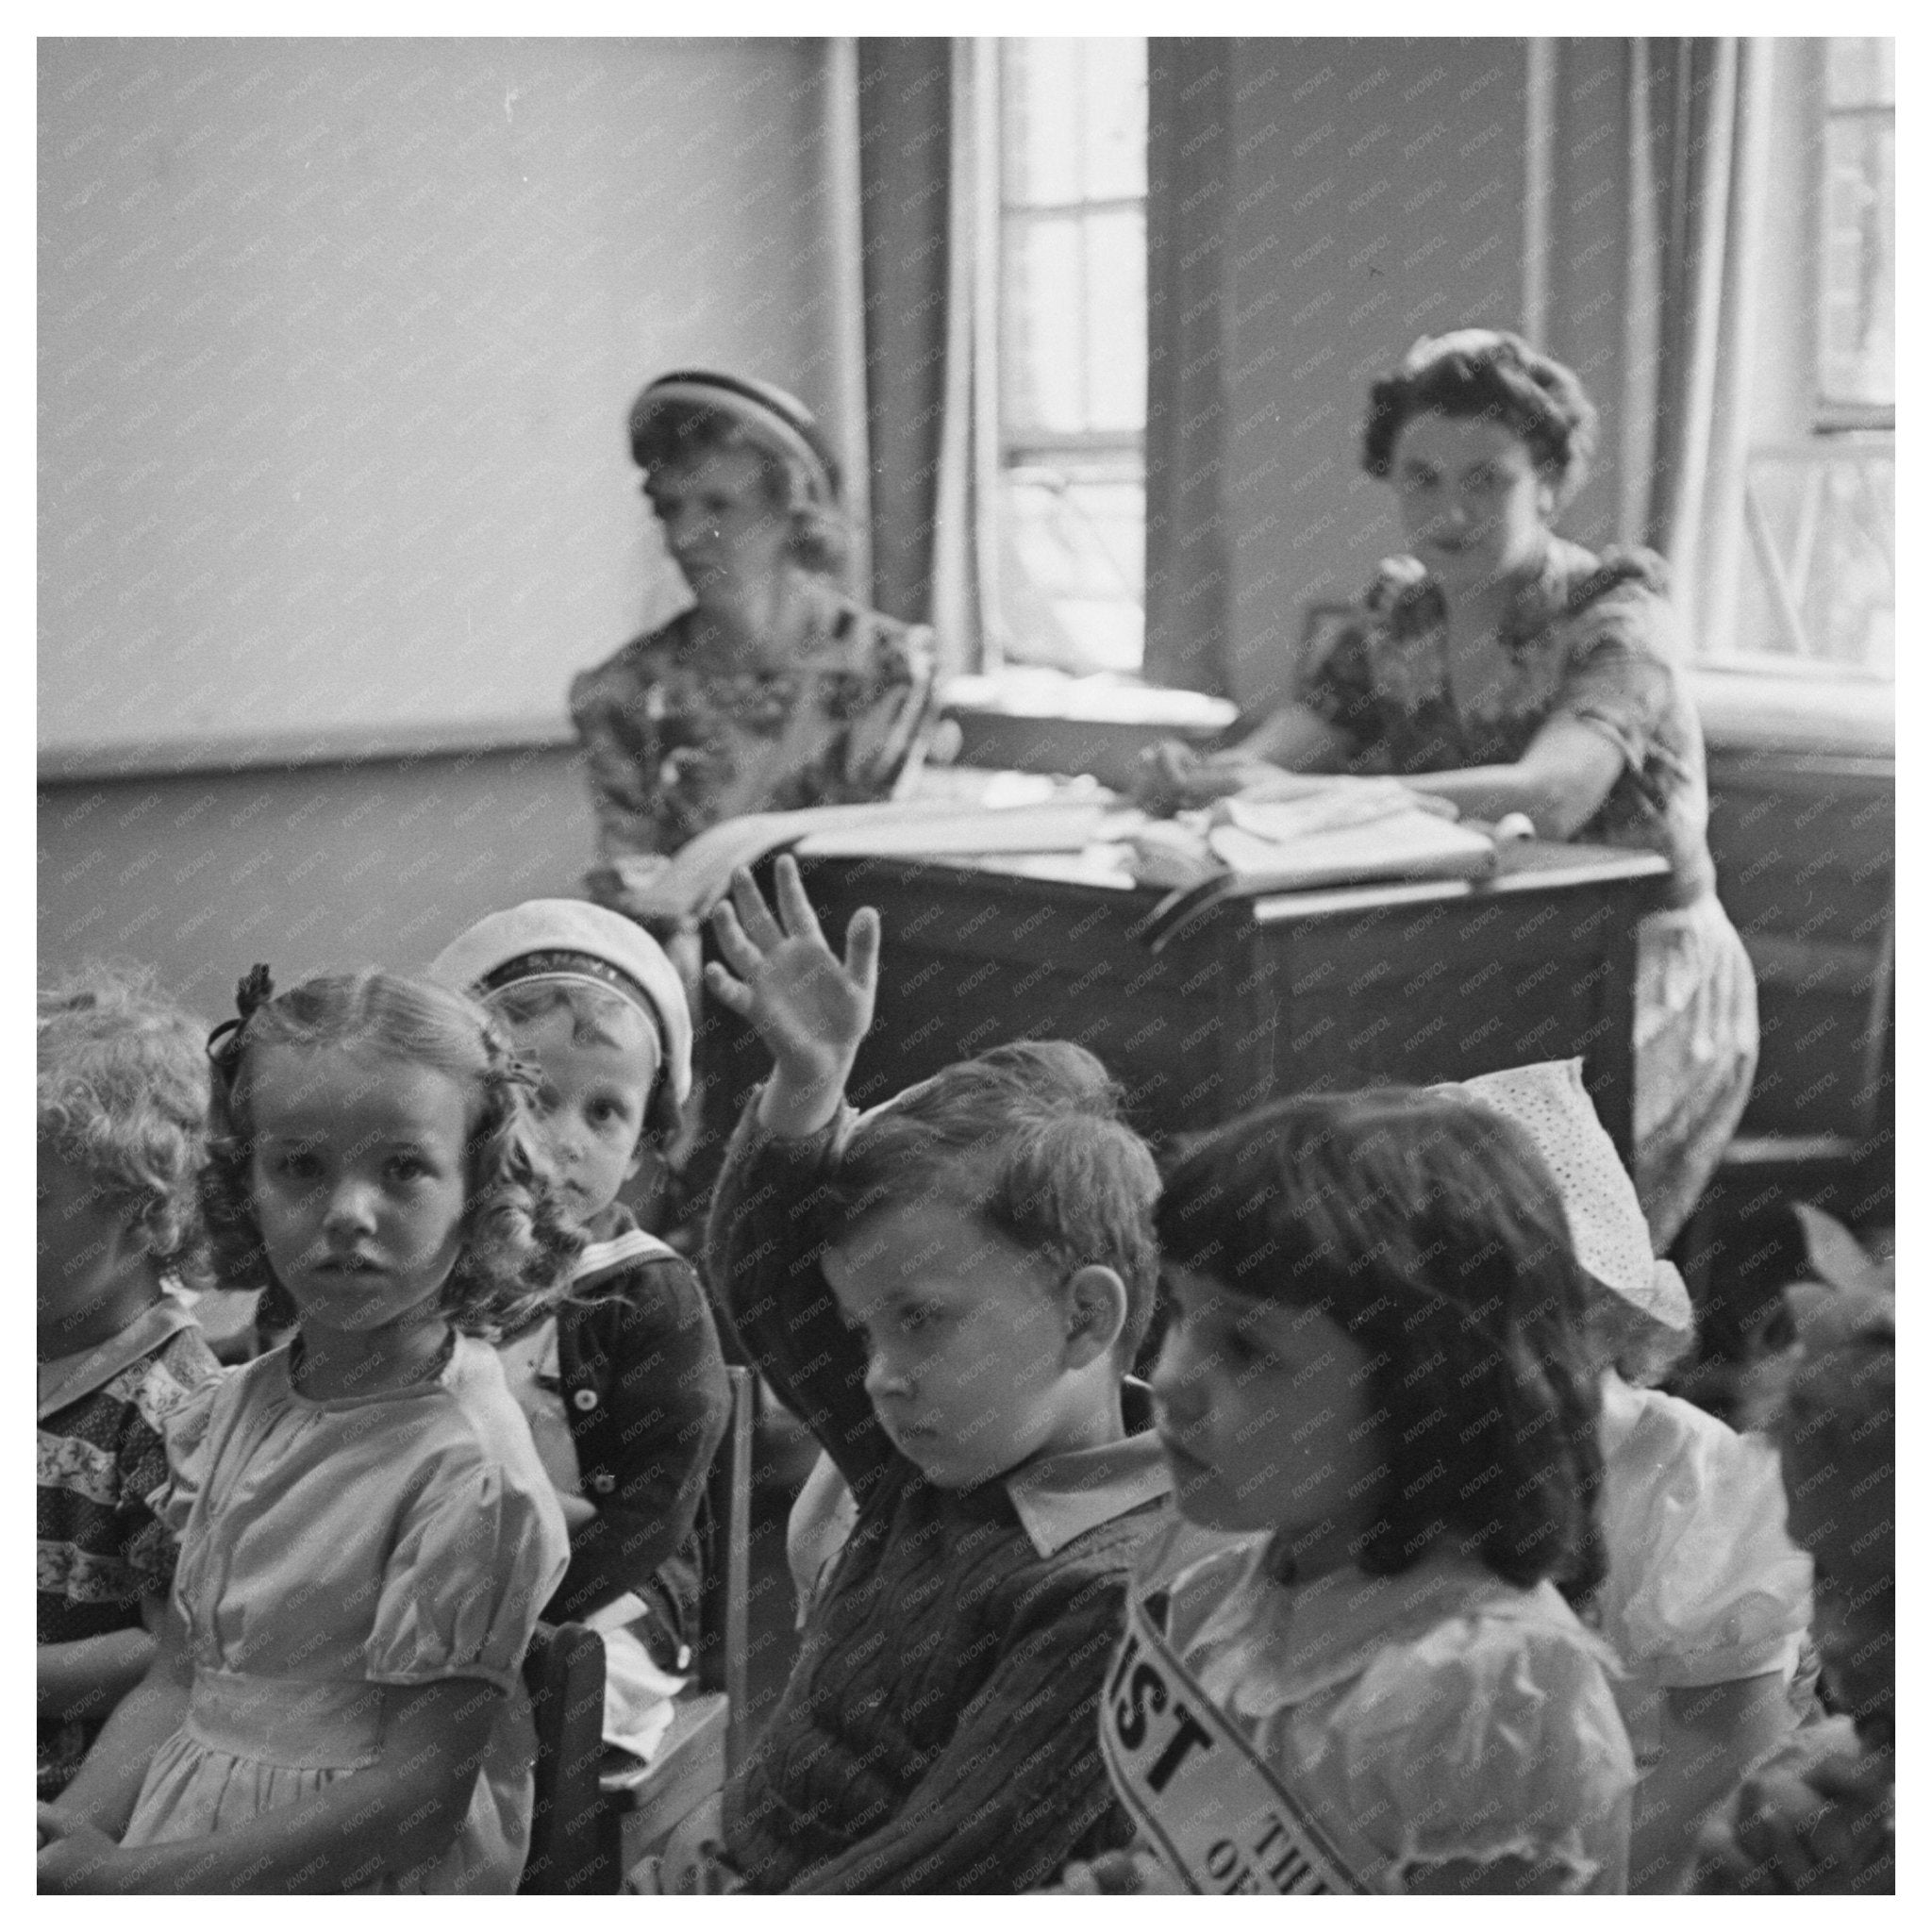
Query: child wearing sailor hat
point(623, 1383)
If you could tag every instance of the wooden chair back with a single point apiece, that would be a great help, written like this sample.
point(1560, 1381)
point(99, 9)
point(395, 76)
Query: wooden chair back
point(570, 1851)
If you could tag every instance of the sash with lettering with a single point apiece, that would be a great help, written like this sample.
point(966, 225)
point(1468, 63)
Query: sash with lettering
point(1219, 1818)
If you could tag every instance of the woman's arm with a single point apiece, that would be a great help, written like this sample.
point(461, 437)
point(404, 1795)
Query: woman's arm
point(1560, 783)
point(392, 1818)
point(1298, 739)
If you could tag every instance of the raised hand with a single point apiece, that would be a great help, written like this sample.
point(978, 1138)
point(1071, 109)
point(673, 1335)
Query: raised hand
point(812, 1008)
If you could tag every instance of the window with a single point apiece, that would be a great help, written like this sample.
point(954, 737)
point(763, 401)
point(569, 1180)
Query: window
point(1818, 500)
point(1855, 379)
point(1072, 352)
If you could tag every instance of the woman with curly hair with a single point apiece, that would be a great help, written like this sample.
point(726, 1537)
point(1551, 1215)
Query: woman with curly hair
point(1506, 670)
point(773, 690)
point(367, 1535)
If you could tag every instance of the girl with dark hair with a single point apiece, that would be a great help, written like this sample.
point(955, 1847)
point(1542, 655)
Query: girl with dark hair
point(773, 690)
point(1504, 668)
point(1371, 1391)
point(367, 1535)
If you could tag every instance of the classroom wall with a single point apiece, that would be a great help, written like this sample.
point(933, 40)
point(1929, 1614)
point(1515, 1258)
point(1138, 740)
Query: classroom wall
point(307, 867)
point(336, 342)
point(1373, 193)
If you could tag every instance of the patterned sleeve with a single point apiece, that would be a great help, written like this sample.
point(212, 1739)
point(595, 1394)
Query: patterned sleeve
point(1490, 1740)
point(476, 1563)
point(1339, 686)
point(621, 757)
point(1621, 671)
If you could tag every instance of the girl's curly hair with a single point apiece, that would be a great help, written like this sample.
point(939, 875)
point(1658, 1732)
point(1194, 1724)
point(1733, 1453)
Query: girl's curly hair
point(121, 1090)
point(517, 1246)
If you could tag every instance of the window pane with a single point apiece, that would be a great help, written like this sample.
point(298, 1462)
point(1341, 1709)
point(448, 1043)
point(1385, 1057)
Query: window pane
point(1043, 350)
point(1116, 296)
point(1858, 73)
point(1115, 108)
point(1041, 81)
point(1856, 322)
point(1071, 567)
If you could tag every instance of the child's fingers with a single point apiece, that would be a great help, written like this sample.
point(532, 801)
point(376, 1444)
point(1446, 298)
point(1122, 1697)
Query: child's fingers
point(800, 922)
point(753, 913)
point(728, 992)
point(743, 956)
point(862, 947)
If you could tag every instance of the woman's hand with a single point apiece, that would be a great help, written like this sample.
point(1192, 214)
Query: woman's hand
point(74, 1856)
point(1173, 776)
point(809, 1008)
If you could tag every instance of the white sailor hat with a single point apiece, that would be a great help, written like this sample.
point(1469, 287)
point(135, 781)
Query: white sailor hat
point(573, 939)
point(769, 414)
point(1607, 1230)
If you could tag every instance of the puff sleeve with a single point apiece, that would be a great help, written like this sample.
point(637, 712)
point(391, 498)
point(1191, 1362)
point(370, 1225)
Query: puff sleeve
point(1705, 1585)
point(1620, 658)
point(189, 1438)
point(475, 1561)
point(1490, 1738)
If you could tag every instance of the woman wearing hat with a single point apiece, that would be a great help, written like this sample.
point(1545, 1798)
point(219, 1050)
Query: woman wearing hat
point(773, 690)
point(1509, 671)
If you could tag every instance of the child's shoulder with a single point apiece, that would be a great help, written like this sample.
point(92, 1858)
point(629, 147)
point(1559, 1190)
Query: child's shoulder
point(1659, 1449)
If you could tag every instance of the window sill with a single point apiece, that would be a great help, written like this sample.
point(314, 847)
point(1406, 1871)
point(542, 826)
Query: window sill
point(1750, 709)
point(1026, 692)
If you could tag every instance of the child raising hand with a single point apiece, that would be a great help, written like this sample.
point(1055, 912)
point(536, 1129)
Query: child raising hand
point(947, 1291)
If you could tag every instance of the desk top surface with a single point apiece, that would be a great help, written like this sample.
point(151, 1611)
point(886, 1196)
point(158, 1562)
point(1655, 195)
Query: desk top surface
point(1531, 866)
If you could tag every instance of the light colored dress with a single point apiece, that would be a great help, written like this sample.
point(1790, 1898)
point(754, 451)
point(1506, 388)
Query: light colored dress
point(1441, 1715)
point(1705, 1587)
point(1591, 638)
point(330, 1549)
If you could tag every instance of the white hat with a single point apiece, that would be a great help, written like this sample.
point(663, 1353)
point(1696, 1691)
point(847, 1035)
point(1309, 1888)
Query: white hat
point(1607, 1225)
point(573, 939)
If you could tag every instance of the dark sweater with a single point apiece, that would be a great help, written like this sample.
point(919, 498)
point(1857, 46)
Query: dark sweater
point(646, 1398)
point(939, 1733)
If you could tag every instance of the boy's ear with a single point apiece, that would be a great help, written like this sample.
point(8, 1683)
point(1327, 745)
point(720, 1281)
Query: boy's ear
point(1096, 1301)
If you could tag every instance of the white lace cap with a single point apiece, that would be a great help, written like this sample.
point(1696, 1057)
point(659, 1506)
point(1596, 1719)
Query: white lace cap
point(1607, 1226)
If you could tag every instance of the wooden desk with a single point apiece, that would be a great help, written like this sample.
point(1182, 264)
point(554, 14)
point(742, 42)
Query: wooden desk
point(1295, 992)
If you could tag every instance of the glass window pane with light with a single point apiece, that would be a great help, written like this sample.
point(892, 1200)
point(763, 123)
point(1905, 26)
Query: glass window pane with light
point(1073, 352)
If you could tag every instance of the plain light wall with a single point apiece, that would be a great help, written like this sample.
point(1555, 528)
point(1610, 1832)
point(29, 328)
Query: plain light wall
point(308, 868)
point(336, 342)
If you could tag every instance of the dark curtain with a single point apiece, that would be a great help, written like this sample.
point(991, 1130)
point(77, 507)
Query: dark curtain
point(905, 142)
point(1190, 579)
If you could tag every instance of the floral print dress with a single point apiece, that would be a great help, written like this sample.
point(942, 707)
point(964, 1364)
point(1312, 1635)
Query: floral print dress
point(676, 745)
point(1591, 638)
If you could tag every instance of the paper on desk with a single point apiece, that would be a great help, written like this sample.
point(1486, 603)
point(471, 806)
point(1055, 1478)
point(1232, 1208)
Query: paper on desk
point(686, 887)
point(1395, 845)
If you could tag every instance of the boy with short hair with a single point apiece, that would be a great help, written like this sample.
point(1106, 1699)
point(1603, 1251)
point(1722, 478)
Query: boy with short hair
point(623, 1383)
point(947, 1291)
point(122, 1111)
